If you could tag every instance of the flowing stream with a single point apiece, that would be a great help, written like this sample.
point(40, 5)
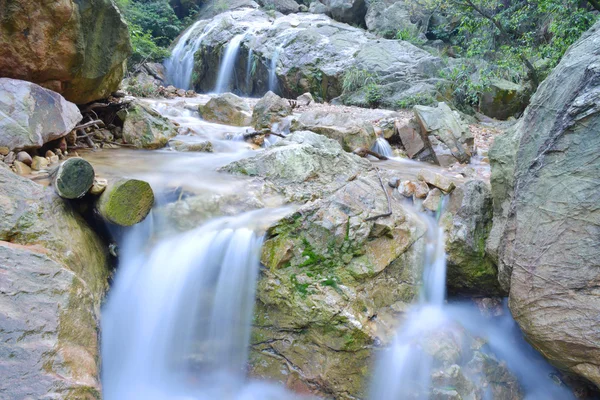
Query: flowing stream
point(177, 321)
point(416, 365)
point(382, 147)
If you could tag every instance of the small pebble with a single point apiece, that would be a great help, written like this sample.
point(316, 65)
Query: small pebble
point(24, 157)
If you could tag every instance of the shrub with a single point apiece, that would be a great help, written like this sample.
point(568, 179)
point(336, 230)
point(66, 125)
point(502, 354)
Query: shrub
point(373, 94)
point(355, 79)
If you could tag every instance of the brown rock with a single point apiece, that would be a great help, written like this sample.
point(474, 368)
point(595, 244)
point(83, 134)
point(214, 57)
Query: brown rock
point(24, 157)
point(39, 163)
point(421, 189)
point(4, 151)
point(438, 180)
point(407, 188)
point(21, 168)
point(433, 200)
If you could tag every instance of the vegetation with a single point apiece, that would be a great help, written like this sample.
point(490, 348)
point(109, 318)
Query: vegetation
point(355, 79)
point(519, 39)
point(153, 25)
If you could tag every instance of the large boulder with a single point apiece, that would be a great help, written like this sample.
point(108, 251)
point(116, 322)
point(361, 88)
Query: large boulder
point(32, 115)
point(283, 6)
point(55, 274)
point(76, 48)
point(273, 57)
point(226, 109)
point(351, 132)
point(549, 233)
point(269, 110)
point(449, 136)
point(145, 128)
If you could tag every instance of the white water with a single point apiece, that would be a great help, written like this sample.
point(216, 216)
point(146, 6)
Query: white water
point(227, 66)
point(177, 321)
point(249, 72)
point(382, 147)
point(273, 70)
point(180, 65)
point(406, 368)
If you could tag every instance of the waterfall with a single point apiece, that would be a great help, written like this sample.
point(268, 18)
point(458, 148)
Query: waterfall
point(409, 368)
point(273, 70)
point(228, 64)
point(249, 72)
point(382, 147)
point(177, 321)
point(180, 65)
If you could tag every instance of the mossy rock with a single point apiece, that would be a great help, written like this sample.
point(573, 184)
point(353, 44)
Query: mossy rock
point(126, 202)
point(74, 178)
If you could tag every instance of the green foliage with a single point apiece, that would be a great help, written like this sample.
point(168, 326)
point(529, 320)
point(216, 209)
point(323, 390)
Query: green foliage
point(418, 99)
point(355, 79)
point(409, 36)
point(144, 47)
point(373, 94)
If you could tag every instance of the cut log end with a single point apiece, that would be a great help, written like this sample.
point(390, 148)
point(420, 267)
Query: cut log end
point(73, 178)
point(126, 202)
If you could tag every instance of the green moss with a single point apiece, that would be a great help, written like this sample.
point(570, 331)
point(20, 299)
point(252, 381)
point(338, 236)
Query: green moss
point(127, 202)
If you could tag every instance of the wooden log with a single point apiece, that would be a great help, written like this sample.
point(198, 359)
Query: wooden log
point(126, 202)
point(73, 178)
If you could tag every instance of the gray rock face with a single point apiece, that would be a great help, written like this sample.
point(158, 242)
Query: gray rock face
point(55, 274)
point(389, 17)
point(335, 48)
point(549, 239)
point(348, 11)
point(351, 132)
point(303, 166)
point(282, 6)
point(32, 115)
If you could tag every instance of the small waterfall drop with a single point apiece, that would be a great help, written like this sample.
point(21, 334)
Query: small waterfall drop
point(180, 65)
point(177, 321)
point(382, 147)
point(228, 64)
point(416, 366)
point(273, 70)
point(249, 71)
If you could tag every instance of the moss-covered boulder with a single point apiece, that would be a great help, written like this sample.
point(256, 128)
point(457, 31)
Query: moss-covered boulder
point(334, 285)
point(126, 202)
point(145, 128)
point(227, 109)
point(467, 222)
point(55, 274)
point(77, 48)
point(503, 99)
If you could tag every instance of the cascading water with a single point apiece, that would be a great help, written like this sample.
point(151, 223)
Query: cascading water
point(273, 70)
point(228, 64)
point(177, 321)
point(180, 65)
point(432, 355)
point(382, 147)
point(249, 71)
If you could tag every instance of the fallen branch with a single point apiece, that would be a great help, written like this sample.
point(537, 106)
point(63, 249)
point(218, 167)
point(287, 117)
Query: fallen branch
point(259, 133)
point(387, 196)
point(97, 122)
point(363, 152)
